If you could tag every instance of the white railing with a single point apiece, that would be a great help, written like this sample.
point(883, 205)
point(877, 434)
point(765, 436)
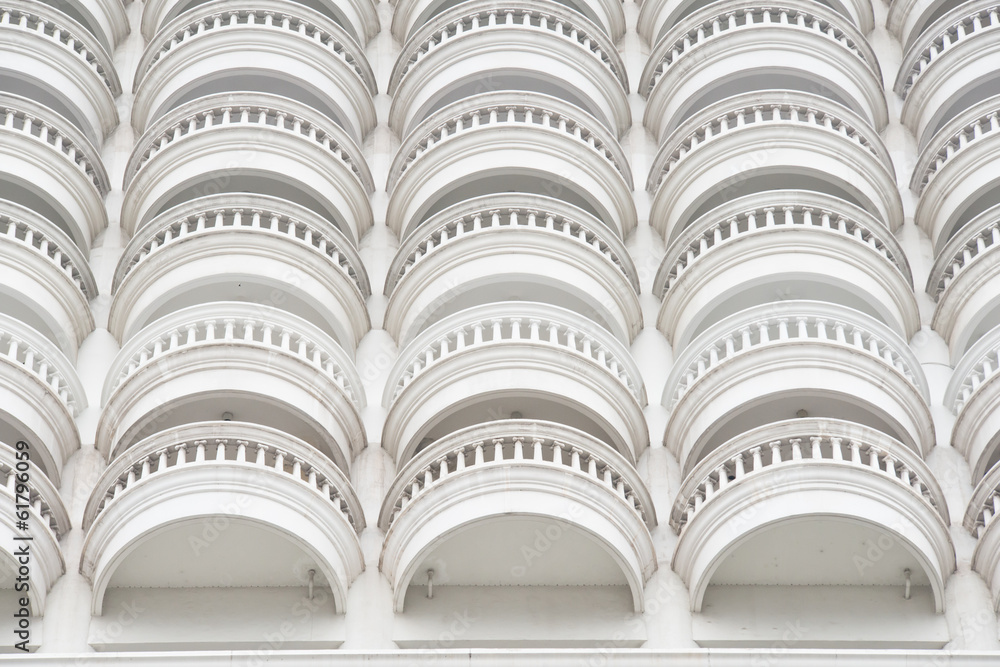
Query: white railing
point(959, 24)
point(967, 245)
point(65, 32)
point(517, 443)
point(227, 324)
point(22, 346)
point(539, 16)
point(499, 110)
point(235, 445)
point(761, 110)
point(258, 111)
point(786, 322)
point(26, 229)
point(65, 142)
point(42, 497)
point(978, 365)
point(523, 212)
point(984, 507)
point(253, 213)
point(788, 445)
point(983, 125)
point(534, 323)
point(711, 22)
point(774, 210)
point(290, 18)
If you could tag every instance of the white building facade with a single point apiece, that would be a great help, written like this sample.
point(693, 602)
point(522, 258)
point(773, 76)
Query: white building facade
point(499, 332)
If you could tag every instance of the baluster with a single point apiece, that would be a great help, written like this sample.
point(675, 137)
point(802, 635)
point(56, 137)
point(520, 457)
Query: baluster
point(497, 450)
point(817, 452)
point(775, 446)
point(755, 453)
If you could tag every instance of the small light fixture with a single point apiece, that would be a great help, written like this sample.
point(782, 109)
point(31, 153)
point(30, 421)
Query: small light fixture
point(801, 414)
point(227, 416)
point(515, 415)
point(430, 584)
point(906, 591)
point(312, 577)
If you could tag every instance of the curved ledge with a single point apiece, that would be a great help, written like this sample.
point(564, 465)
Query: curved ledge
point(528, 469)
point(41, 266)
point(267, 352)
point(738, 491)
point(287, 40)
point(410, 14)
point(540, 38)
point(191, 471)
point(536, 135)
point(358, 17)
point(955, 169)
point(973, 395)
point(287, 142)
point(536, 239)
point(935, 70)
point(54, 160)
point(63, 57)
point(849, 353)
point(980, 520)
point(221, 235)
point(484, 350)
point(906, 19)
point(105, 19)
point(799, 133)
point(722, 40)
point(801, 236)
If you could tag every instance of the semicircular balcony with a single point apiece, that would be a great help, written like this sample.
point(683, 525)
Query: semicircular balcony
point(973, 395)
point(775, 360)
point(47, 280)
point(48, 166)
point(541, 45)
point(908, 19)
point(251, 142)
point(964, 281)
point(244, 247)
point(410, 15)
point(276, 47)
point(40, 396)
point(980, 520)
point(465, 504)
point(47, 521)
point(104, 19)
point(512, 247)
point(768, 141)
point(782, 244)
point(791, 507)
point(953, 66)
point(508, 358)
point(47, 56)
point(737, 48)
point(510, 142)
point(146, 520)
point(358, 17)
point(956, 176)
point(253, 361)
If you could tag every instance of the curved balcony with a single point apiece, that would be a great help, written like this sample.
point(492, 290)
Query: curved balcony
point(105, 19)
point(155, 498)
point(766, 141)
point(795, 244)
point(974, 396)
point(510, 142)
point(543, 362)
point(771, 361)
point(980, 520)
point(250, 142)
point(40, 396)
point(242, 248)
point(805, 497)
point(956, 175)
point(256, 362)
point(49, 167)
point(47, 281)
point(357, 17)
point(656, 17)
point(908, 19)
point(409, 15)
point(536, 248)
point(964, 282)
point(267, 46)
point(488, 482)
point(741, 48)
point(47, 521)
point(539, 45)
point(47, 56)
point(951, 67)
